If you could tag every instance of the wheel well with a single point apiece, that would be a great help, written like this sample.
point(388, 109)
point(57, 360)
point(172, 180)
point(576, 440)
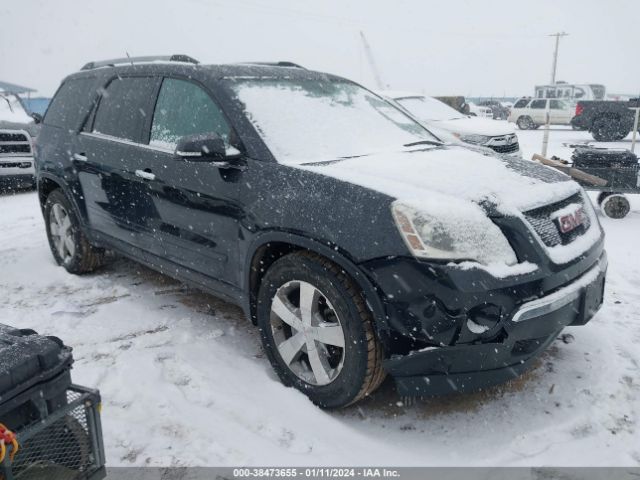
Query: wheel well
point(45, 187)
point(262, 259)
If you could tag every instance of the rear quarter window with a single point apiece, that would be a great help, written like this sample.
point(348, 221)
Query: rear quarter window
point(71, 104)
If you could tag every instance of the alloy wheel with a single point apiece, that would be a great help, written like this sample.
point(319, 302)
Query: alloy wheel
point(62, 232)
point(307, 332)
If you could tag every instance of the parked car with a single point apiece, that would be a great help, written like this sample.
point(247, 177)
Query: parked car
point(498, 110)
point(16, 157)
point(607, 121)
point(457, 102)
point(453, 127)
point(478, 111)
point(530, 113)
point(357, 242)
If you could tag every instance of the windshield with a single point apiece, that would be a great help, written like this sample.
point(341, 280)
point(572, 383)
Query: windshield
point(427, 108)
point(11, 109)
point(304, 121)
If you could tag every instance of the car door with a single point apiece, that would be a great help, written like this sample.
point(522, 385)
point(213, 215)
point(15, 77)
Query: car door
point(109, 158)
point(195, 214)
point(537, 109)
point(559, 112)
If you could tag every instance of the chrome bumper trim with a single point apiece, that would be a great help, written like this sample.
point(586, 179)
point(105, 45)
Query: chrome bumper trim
point(561, 297)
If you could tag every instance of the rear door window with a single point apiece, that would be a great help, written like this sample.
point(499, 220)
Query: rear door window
point(72, 103)
point(539, 104)
point(182, 109)
point(125, 108)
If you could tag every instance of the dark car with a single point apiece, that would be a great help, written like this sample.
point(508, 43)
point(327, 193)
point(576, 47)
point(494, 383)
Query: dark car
point(606, 120)
point(500, 112)
point(359, 244)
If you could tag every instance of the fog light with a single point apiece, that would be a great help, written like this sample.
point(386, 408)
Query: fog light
point(485, 316)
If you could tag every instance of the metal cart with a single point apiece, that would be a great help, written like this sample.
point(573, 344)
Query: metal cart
point(614, 180)
point(65, 445)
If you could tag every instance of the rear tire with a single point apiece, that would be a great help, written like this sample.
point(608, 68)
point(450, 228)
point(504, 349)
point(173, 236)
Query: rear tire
point(606, 129)
point(351, 371)
point(68, 243)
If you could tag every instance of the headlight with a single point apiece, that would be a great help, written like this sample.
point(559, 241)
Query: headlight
point(475, 139)
point(452, 231)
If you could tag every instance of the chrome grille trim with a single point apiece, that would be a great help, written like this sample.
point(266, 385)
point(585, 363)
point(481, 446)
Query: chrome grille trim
point(543, 225)
point(15, 143)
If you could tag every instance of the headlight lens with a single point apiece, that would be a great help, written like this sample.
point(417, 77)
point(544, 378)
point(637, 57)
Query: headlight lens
point(452, 232)
point(475, 139)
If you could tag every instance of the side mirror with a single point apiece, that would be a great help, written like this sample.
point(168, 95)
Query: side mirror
point(37, 118)
point(208, 147)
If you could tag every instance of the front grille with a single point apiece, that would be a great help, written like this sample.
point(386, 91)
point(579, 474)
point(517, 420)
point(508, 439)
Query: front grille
point(504, 143)
point(12, 137)
point(547, 229)
point(14, 143)
point(505, 148)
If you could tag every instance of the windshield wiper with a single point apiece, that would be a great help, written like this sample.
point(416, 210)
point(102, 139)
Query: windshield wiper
point(423, 142)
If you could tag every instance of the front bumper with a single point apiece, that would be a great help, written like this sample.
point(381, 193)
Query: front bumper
point(16, 166)
point(467, 361)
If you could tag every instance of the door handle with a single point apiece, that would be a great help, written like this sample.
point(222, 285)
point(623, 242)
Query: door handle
point(145, 175)
point(81, 157)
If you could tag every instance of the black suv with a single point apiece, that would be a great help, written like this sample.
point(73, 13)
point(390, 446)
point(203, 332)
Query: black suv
point(358, 243)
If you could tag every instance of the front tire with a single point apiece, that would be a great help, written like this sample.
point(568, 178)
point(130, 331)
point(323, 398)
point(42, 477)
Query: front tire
point(317, 331)
point(525, 123)
point(69, 245)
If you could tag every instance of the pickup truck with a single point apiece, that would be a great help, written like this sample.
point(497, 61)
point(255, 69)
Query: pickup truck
point(17, 131)
point(607, 121)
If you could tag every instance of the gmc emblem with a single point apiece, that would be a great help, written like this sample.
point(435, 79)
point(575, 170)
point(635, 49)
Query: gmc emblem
point(567, 223)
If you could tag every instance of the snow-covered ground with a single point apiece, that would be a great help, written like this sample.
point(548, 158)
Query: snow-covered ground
point(184, 380)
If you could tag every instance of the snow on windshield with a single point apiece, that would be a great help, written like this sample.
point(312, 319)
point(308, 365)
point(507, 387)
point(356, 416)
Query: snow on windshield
point(427, 108)
point(11, 109)
point(304, 121)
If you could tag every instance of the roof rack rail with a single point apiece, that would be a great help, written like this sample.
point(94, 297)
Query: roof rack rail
point(275, 64)
point(133, 60)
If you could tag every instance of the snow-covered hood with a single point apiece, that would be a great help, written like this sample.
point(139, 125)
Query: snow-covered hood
point(453, 175)
point(474, 126)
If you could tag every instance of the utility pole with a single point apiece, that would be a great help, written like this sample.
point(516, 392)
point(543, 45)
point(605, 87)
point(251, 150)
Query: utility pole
point(545, 139)
point(372, 63)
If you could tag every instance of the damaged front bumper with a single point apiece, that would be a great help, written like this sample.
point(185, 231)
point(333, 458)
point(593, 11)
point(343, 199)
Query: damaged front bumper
point(505, 351)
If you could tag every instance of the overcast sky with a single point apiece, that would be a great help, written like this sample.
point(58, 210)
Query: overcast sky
point(472, 48)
